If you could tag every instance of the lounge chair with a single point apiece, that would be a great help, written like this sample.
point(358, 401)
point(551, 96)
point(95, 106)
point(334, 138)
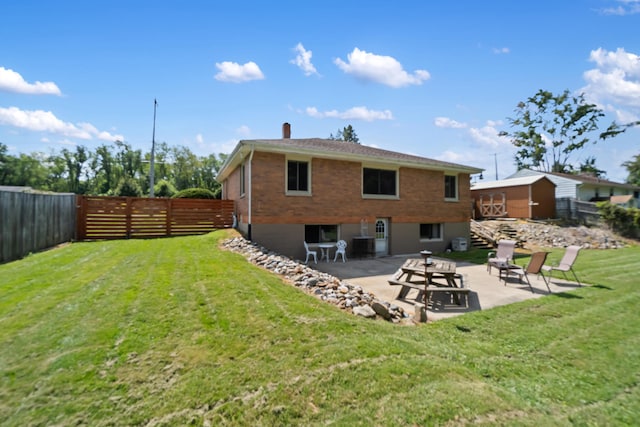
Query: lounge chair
point(502, 256)
point(566, 263)
point(534, 267)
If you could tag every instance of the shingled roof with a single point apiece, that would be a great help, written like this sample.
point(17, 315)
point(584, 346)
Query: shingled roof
point(339, 150)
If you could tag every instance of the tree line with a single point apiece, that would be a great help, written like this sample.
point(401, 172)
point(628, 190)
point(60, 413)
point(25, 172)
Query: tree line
point(112, 170)
point(547, 129)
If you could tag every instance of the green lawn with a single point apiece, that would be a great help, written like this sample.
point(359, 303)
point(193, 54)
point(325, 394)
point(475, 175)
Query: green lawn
point(177, 332)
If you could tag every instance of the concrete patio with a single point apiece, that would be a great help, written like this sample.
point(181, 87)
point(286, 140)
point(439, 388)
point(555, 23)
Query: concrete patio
point(487, 290)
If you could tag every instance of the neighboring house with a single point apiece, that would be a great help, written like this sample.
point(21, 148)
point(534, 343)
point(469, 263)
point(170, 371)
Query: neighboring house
point(531, 197)
point(291, 190)
point(584, 188)
point(624, 201)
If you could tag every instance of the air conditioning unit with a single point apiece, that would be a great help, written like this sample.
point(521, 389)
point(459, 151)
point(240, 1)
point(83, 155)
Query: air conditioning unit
point(459, 244)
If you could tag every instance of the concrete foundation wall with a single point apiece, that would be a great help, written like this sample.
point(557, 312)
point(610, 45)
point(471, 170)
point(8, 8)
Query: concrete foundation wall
point(287, 239)
point(405, 238)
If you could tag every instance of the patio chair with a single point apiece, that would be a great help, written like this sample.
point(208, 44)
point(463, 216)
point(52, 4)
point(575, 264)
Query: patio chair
point(314, 254)
point(341, 245)
point(534, 267)
point(566, 263)
point(502, 256)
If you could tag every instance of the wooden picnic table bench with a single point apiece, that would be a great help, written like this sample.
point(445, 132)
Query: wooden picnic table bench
point(426, 285)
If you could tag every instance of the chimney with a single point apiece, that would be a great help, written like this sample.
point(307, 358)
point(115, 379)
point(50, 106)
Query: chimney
point(286, 131)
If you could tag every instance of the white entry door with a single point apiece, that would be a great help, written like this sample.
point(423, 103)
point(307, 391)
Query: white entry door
point(382, 237)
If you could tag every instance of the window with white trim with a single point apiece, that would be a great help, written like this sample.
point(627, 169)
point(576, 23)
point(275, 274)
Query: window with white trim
point(320, 233)
point(451, 187)
point(298, 177)
point(379, 182)
point(242, 179)
point(431, 231)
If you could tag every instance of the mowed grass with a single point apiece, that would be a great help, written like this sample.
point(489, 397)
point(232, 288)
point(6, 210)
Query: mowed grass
point(179, 332)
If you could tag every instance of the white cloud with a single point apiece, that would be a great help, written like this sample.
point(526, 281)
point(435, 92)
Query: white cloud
point(243, 130)
point(380, 69)
point(199, 138)
point(627, 7)
point(445, 122)
point(615, 80)
point(11, 81)
point(501, 50)
point(303, 60)
point(233, 72)
point(452, 156)
point(46, 121)
point(354, 113)
point(488, 135)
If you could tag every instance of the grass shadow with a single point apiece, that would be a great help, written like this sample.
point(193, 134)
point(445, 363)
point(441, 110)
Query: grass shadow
point(567, 295)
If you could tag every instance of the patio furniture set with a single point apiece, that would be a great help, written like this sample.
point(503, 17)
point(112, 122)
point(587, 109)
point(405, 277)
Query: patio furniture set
point(502, 259)
point(423, 274)
point(325, 250)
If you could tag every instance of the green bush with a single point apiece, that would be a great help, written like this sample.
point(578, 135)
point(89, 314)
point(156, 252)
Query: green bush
point(194, 193)
point(164, 189)
point(128, 187)
point(625, 221)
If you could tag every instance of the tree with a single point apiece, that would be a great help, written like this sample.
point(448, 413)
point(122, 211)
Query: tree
point(164, 189)
point(550, 128)
point(75, 164)
point(588, 167)
point(129, 187)
point(633, 168)
point(346, 134)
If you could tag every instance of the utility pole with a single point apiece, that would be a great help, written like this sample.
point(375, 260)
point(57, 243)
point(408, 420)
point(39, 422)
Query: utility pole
point(153, 149)
point(495, 158)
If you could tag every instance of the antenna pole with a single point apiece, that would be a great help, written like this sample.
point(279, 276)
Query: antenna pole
point(153, 149)
point(495, 157)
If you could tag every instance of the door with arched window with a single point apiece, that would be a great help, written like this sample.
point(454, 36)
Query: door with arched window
point(382, 236)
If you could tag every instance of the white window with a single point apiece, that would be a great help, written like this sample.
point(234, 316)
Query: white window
point(379, 183)
point(430, 231)
point(298, 177)
point(451, 187)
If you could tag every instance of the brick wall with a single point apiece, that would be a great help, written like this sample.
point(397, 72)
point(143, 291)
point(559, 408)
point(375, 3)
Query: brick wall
point(337, 198)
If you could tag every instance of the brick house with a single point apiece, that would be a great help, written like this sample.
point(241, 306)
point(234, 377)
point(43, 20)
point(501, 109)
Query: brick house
point(291, 190)
point(531, 197)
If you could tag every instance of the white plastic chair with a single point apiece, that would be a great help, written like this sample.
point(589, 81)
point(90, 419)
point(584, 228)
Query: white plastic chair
point(341, 245)
point(310, 252)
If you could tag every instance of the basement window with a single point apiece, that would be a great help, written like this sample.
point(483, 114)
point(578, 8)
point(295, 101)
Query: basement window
point(430, 231)
point(321, 233)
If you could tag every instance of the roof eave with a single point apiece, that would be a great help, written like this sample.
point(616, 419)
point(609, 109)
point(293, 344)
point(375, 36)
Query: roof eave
point(238, 153)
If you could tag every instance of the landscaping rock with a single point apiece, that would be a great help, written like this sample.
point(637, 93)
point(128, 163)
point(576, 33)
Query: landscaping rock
point(364, 311)
point(534, 235)
point(328, 288)
point(381, 310)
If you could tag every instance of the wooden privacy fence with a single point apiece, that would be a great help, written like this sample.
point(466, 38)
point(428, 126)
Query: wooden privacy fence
point(31, 222)
point(134, 217)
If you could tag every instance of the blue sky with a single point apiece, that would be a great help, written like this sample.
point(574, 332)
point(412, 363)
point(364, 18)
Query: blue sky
point(432, 78)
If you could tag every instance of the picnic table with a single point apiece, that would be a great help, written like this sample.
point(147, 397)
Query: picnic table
point(426, 282)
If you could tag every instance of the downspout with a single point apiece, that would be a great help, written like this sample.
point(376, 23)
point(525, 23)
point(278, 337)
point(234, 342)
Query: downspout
point(530, 203)
point(249, 193)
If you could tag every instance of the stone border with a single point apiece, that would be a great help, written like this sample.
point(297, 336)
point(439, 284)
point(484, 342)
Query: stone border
point(328, 288)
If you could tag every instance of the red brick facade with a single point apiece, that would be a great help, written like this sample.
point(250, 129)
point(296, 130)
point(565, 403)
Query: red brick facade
point(336, 195)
